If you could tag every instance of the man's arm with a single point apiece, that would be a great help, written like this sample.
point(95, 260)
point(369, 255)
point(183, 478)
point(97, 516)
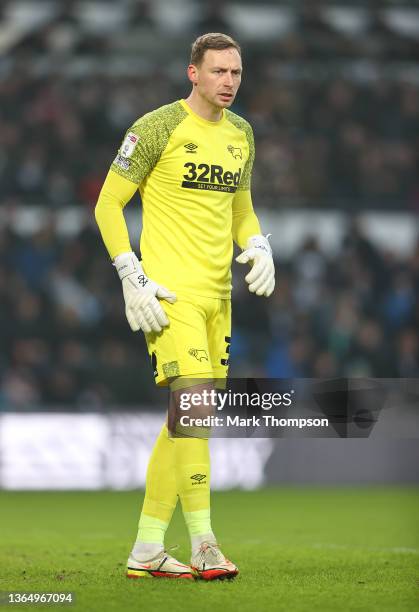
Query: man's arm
point(247, 233)
point(257, 251)
point(129, 168)
point(115, 194)
point(136, 157)
point(245, 221)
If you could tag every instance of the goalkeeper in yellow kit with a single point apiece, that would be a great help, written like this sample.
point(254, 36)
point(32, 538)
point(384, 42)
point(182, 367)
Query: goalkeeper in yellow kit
point(192, 162)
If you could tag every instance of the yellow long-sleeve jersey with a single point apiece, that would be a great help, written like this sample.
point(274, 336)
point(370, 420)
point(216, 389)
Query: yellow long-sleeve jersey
point(194, 180)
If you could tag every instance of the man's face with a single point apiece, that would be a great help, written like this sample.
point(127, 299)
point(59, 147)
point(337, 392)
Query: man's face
point(218, 77)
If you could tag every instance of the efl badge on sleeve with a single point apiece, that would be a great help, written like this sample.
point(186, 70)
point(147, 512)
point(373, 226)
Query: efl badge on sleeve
point(129, 144)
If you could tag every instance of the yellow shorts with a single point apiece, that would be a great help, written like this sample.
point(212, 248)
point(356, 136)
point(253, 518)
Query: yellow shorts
point(197, 341)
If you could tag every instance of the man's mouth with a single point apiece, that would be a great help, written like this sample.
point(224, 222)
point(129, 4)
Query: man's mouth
point(226, 95)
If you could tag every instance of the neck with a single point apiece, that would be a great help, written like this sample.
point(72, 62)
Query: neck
point(203, 108)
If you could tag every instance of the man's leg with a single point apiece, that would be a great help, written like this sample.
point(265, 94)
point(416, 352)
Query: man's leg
point(148, 557)
point(207, 559)
point(192, 465)
point(219, 331)
point(160, 498)
point(173, 354)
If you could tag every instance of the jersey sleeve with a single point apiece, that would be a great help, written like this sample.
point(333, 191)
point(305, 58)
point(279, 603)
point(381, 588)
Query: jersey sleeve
point(245, 127)
point(245, 222)
point(140, 150)
point(145, 141)
point(247, 172)
point(116, 192)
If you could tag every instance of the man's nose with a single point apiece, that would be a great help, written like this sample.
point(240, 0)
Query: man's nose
point(228, 79)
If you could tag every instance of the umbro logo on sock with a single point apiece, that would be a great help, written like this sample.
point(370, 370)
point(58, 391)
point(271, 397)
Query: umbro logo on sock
point(198, 478)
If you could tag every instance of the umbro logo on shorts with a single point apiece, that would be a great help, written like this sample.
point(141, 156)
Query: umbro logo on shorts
point(190, 147)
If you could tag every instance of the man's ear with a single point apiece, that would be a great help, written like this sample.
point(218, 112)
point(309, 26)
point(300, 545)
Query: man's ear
point(192, 72)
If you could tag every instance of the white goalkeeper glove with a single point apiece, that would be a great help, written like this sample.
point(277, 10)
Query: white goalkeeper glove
point(261, 278)
point(142, 307)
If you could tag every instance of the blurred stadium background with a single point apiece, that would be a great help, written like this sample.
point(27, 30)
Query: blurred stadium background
point(332, 92)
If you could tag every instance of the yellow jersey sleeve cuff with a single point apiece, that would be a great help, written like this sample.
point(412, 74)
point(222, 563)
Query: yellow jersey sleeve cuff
point(245, 222)
point(115, 194)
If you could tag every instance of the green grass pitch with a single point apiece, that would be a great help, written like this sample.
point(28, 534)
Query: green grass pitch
point(297, 549)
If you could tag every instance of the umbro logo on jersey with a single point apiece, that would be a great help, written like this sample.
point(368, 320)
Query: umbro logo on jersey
point(198, 478)
point(235, 151)
point(190, 147)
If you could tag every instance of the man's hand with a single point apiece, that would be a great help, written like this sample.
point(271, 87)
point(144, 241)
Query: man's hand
point(142, 307)
point(261, 278)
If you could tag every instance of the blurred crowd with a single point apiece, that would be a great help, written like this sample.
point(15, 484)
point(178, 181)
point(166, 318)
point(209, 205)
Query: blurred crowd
point(335, 113)
point(324, 138)
point(329, 144)
point(65, 339)
point(306, 29)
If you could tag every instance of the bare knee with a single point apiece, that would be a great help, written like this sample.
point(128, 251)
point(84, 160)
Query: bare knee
point(197, 402)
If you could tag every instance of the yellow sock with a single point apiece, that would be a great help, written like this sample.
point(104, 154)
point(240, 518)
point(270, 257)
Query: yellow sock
point(161, 493)
point(192, 463)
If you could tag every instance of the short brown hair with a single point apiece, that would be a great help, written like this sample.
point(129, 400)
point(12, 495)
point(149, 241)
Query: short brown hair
point(213, 40)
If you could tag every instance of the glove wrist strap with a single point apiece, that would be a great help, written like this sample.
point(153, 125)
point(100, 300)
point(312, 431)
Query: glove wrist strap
point(260, 242)
point(126, 264)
